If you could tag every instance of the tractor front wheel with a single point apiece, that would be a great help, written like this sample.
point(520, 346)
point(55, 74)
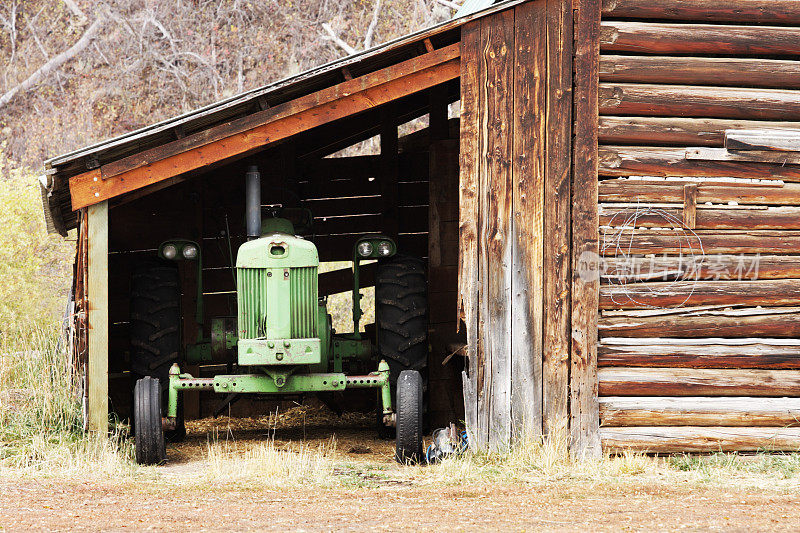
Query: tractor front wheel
point(408, 447)
point(148, 432)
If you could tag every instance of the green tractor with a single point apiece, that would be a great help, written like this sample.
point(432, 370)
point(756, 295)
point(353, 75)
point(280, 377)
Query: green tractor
point(281, 342)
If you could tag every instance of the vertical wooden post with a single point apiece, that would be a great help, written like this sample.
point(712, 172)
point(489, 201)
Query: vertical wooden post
point(528, 237)
point(584, 407)
point(98, 317)
point(468, 216)
point(557, 227)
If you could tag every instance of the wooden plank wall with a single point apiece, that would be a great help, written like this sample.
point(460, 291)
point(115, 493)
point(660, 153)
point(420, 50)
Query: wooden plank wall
point(502, 169)
point(697, 356)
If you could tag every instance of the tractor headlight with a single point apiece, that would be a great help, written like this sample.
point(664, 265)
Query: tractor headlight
point(365, 249)
point(169, 251)
point(384, 249)
point(190, 251)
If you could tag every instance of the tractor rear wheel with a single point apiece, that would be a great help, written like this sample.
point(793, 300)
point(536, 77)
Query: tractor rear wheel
point(401, 316)
point(408, 447)
point(148, 432)
point(156, 327)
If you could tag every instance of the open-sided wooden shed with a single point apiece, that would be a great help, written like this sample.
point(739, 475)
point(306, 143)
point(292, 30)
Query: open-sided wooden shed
point(614, 221)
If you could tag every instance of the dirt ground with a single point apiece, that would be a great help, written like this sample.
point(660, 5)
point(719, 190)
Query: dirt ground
point(42, 503)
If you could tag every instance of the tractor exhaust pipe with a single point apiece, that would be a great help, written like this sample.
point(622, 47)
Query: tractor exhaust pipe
point(253, 202)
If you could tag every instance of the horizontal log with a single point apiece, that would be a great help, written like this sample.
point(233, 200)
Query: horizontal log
point(706, 217)
point(694, 101)
point(745, 156)
point(749, 11)
point(671, 191)
point(763, 139)
point(767, 73)
point(616, 411)
point(688, 293)
point(667, 38)
point(666, 131)
point(778, 325)
point(761, 356)
point(699, 439)
point(697, 382)
point(709, 267)
point(661, 242)
point(672, 162)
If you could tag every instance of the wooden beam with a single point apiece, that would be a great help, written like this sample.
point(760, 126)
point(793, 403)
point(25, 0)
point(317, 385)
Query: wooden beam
point(717, 192)
point(713, 242)
point(255, 131)
point(745, 156)
point(618, 411)
point(697, 382)
point(584, 417)
point(670, 355)
point(660, 38)
point(786, 12)
point(693, 101)
point(699, 439)
point(771, 218)
point(665, 131)
point(97, 221)
point(763, 139)
point(732, 326)
point(556, 219)
point(669, 162)
point(768, 73)
point(688, 293)
point(527, 238)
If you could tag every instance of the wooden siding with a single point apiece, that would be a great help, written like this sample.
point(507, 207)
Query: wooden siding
point(703, 357)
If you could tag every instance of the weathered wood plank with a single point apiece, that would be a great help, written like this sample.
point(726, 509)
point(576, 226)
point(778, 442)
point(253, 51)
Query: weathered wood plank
point(709, 267)
point(618, 411)
point(665, 131)
point(256, 131)
point(767, 73)
point(777, 325)
point(469, 213)
point(557, 207)
point(689, 205)
point(584, 417)
point(620, 381)
point(695, 101)
point(661, 161)
point(97, 285)
point(689, 293)
point(527, 244)
point(665, 38)
point(763, 139)
point(713, 242)
point(497, 123)
point(671, 191)
point(699, 439)
point(641, 354)
point(749, 11)
point(704, 217)
point(745, 156)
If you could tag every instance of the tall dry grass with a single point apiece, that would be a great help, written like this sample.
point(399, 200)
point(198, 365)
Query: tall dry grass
point(40, 413)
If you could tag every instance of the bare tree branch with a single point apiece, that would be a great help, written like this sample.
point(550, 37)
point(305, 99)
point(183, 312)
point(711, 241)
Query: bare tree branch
point(54, 63)
point(336, 39)
point(451, 5)
point(76, 10)
point(372, 25)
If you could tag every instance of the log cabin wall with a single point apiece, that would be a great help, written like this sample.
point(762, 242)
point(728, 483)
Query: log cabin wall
point(700, 283)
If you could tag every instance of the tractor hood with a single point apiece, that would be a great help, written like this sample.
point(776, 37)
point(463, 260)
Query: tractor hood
point(277, 250)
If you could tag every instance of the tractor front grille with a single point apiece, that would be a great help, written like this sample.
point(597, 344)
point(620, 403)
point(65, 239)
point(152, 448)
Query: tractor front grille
point(254, 298)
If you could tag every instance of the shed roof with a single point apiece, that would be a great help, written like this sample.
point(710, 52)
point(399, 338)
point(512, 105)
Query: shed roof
point(58, 209)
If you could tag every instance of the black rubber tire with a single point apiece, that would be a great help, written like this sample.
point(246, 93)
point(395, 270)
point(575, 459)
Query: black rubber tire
point(401, 317)
point(155, 316)
point(149, 435)
point(408, 446)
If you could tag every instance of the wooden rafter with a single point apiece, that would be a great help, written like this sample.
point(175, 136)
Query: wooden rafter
point(255, 131)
